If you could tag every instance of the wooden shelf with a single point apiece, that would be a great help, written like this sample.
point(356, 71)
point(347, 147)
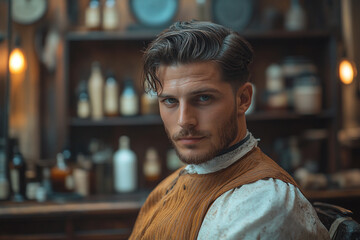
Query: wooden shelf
point(156, 119)
point(110, 36)
point(286, 35)
point(151, 34)
point(117, 121)
point(332, 194)
point(286, 115)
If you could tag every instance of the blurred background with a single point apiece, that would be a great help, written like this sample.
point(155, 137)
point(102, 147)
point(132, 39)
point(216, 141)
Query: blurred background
point(82, 144)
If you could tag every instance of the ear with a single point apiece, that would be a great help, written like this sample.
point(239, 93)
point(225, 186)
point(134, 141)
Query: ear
point(243, 97)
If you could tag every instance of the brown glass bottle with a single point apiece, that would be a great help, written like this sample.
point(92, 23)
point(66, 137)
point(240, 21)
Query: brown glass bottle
point(61, 176)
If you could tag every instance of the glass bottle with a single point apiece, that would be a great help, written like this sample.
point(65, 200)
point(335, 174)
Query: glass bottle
point(125, 167)
point(110, 16)
point(83, 104)
point(61, 175)
point(4, 183)
point(295, 18)
point(17, 167)
point(152, 167)
point(111, 96)
point(92, 15)
point(149, 102)
point(95, 89)
point(129, 103)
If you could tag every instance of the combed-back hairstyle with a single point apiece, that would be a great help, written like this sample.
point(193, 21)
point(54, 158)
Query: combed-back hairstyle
point(188, 42)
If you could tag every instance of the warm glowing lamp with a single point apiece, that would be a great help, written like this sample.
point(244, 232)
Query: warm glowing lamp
point(17, 61)
point(347, 71)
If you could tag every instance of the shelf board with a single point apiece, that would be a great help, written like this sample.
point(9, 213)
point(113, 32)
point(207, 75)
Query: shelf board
point(332, 194)
point(286, 35)
point(151, 34)
point(110, 36)
point(117, 121)
point(286, 115)
point(156, 120)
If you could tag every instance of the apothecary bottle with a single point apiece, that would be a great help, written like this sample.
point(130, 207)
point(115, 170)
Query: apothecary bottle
point(17, 169)
point(95, 89)
point(125, 167)
point(93, 15)
point(129, 103)
point(111, 96)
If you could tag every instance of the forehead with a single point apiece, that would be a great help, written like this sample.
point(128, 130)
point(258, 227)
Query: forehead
point(190, 75)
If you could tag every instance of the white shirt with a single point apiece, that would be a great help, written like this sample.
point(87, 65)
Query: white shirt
point(266, 209)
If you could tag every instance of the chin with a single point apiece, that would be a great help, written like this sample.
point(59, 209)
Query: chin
point(194, 156)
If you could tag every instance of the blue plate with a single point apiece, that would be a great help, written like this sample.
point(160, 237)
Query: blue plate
point(154, 13)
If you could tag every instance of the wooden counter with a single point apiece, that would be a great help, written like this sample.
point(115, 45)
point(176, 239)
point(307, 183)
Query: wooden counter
point(100, 218)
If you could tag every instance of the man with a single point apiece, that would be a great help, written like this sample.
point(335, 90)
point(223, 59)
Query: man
point(229, 189)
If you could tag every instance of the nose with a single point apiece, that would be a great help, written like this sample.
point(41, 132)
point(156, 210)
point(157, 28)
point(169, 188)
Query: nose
point(187, 116)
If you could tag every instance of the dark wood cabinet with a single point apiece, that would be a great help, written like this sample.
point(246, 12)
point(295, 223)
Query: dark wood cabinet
point(110, 217)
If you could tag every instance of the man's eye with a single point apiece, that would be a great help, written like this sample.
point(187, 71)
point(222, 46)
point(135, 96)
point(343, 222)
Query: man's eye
point(169, 101)
point(204, 98)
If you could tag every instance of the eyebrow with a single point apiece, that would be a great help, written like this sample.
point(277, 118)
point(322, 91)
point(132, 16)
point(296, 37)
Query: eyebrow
point(196, 92)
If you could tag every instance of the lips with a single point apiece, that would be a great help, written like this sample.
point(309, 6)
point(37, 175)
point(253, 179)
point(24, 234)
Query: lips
point(190, 140)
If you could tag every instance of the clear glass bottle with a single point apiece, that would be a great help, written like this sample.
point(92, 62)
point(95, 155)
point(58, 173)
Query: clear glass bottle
point(83, 102)
point(110, 16)
point(111, 96)
point(95, 89)
point(125, 167)
point(129, 103)
point(93, 15)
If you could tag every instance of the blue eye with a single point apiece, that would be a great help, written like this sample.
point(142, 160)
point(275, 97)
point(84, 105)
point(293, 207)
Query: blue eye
point(169, 101)
point(204, 98)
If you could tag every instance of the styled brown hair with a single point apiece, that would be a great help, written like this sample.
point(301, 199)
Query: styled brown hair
point(188, 42)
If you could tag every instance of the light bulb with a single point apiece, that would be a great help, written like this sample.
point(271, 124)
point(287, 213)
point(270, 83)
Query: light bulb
point(17, 61)
point(347, 71)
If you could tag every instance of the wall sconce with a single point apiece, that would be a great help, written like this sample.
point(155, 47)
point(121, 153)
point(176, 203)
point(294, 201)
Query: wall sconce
point(17, 60)
point(347, 71)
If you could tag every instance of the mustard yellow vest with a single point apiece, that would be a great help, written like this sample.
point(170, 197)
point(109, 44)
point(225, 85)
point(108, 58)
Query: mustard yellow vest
point(178, 205)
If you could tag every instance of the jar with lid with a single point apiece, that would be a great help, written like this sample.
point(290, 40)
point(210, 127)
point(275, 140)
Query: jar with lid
point(292, 67)
point(276, 97)
point(307, 94)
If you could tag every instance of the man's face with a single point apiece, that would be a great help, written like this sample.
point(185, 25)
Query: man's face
point(198, 109)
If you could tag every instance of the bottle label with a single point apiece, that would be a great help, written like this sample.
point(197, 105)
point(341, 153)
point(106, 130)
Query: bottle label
point(15, 180)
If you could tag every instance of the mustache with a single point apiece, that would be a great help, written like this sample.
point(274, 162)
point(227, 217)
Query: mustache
point(189, 133)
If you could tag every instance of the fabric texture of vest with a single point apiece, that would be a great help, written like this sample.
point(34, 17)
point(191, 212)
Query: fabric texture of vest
point(177, 206)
